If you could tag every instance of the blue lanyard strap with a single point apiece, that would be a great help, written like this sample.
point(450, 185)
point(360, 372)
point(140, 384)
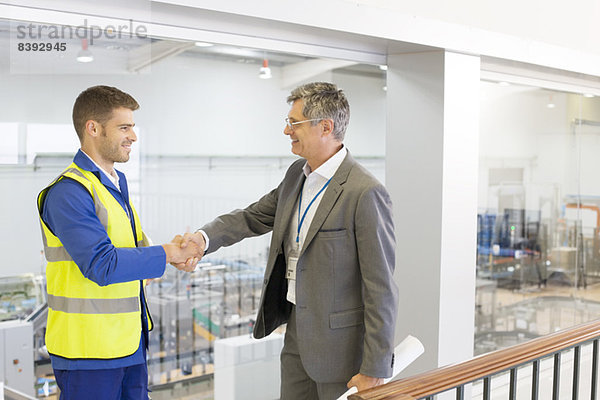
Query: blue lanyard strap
point(301, 221)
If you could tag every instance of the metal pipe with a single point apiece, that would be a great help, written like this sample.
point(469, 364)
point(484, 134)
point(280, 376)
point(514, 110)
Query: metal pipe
point(556, 377)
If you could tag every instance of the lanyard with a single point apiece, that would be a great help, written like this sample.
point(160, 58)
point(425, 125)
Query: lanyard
point(301, 221)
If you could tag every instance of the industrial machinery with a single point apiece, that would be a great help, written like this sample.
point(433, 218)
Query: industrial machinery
point(521, 251)
point(23, 311)
point(190, 311)
point(511, 248)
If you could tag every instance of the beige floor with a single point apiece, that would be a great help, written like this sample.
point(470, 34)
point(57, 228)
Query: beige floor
point(506, 297)
point(506, 317)
point(511, 308)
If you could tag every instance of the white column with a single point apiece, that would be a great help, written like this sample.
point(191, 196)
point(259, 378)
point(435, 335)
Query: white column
point(431, 173)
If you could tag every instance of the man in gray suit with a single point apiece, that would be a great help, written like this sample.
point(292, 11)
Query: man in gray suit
point(331, 260)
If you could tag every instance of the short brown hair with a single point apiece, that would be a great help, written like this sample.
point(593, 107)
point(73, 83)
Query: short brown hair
point(97, 103)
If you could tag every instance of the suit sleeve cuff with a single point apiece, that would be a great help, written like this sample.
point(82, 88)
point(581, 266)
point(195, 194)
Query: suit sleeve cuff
point(206, 239)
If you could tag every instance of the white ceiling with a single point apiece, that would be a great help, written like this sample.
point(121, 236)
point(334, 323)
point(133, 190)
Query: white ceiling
point(127, 55)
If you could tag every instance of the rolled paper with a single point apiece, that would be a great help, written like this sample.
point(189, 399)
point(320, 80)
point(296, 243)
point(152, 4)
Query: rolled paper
point(404, 354)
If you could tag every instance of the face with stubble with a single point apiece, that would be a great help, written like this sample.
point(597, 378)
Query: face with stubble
point(117, 136)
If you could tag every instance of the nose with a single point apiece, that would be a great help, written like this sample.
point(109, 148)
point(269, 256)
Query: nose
point(132, 135)
point(287, 130)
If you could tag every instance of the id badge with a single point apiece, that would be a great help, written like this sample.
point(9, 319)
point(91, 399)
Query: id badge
point(291, 268)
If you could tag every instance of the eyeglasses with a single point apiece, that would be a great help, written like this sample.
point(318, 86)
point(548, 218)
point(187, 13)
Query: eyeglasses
point(292, 124)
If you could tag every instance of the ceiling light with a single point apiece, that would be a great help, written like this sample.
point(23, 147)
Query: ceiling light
point(588, 95)
point(550, 102)
point(265, 71)
point(84, 54)
point(203, 44)
point(383, 67)
point(503, 83)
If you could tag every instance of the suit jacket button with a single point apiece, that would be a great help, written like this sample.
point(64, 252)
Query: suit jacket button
point(266, 281)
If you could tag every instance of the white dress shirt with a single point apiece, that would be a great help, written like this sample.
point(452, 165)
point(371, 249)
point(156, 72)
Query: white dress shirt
point(114, 178)
point(315, 180)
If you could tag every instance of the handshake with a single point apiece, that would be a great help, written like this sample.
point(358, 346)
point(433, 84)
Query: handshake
point(185, 251)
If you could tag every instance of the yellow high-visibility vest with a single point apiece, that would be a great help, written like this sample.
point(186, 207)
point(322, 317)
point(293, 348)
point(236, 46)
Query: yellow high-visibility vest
point(86, 320)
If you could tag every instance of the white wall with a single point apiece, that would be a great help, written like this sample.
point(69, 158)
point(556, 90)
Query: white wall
point(571, 24)
point(554, 34)
point(201, 107)
point(189, 107)
point(20, 239)
point(518, 130)
point(366, 132)
point(232, 112)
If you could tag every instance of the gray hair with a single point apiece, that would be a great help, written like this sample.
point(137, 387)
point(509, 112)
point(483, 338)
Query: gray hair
point(324, 100)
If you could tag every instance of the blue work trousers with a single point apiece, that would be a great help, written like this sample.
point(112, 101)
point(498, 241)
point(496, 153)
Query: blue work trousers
point(127, 383)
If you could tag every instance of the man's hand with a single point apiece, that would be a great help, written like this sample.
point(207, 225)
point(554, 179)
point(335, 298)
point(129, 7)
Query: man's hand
point(197, 238)
point(190, 240)
point(183, 257)
point(364, 382)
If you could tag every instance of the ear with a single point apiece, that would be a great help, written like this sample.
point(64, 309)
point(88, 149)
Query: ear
point(92, 128)
point(327, 125)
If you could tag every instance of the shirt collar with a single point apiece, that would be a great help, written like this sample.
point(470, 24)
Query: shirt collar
point(86, 162)
point(329, 167)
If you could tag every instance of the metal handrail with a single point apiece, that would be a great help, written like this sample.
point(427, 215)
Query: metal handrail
point(454, 376)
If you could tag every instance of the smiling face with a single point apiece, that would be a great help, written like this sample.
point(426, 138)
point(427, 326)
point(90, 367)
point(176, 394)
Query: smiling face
point(315, 143)
point(305, 136)
point(116, 136)
point(111, 141)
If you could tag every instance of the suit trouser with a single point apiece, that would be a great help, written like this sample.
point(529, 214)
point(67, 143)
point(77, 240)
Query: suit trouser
point(130, 383)
point(295, 382)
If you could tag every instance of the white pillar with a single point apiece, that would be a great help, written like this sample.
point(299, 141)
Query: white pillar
point(431, 173)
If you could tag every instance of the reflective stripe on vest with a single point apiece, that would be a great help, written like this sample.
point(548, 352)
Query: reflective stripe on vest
point(101, 211)
point(94, 306)
point(144, 242)
point(54, 254)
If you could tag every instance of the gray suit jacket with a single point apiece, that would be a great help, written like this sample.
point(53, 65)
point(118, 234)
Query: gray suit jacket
point(346, 299)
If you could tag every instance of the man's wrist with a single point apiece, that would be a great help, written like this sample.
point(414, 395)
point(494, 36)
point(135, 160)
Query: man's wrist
point(168, 251)
point(206, 240)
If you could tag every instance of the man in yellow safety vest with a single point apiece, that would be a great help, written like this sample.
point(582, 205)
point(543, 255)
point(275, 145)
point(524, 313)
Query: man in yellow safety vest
point(98, 258)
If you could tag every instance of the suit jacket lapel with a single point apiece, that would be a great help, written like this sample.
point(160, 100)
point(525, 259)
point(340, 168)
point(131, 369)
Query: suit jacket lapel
point(332, 193)
point(288, 201)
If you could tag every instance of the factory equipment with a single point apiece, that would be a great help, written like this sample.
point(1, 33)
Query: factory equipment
point(16, 347)
point(519, 249)
point(23, 312)
point(581, 230)
point(511, 248)
point(20, 295)
point(191, 311)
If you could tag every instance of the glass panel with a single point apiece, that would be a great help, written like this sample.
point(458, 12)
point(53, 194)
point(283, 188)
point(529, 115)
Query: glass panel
point(538, 254)
point(210, 141)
